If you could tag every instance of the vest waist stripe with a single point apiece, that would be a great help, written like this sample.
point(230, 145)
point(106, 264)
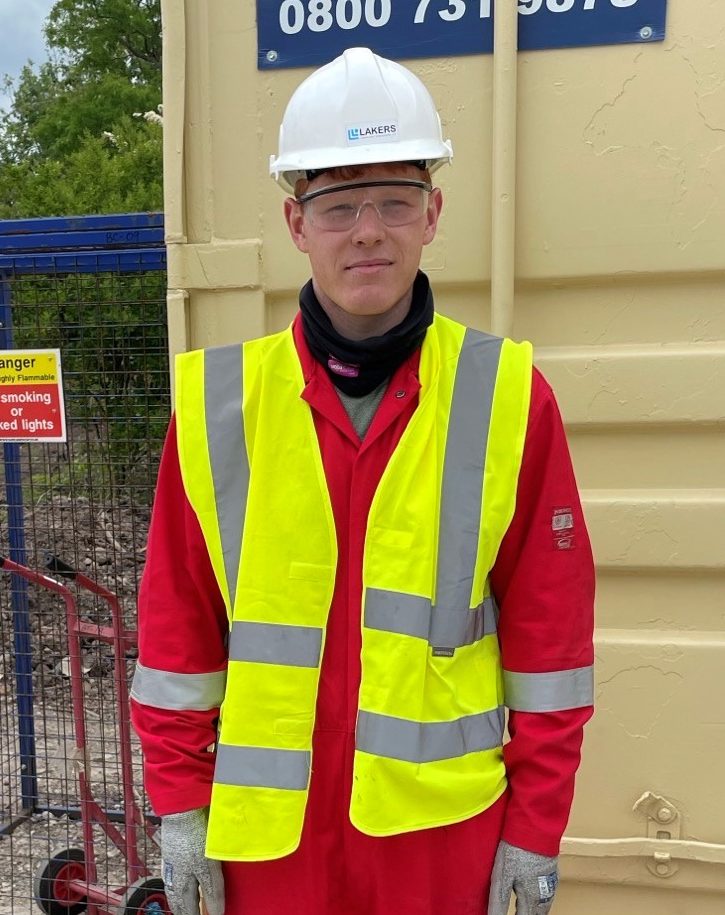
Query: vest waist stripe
point(420, 742)
point(409, 614)
point(549, 692)
point(273, 643)
point(465, 455)
point(262, 767)
point(227, 451)
point(168, 690)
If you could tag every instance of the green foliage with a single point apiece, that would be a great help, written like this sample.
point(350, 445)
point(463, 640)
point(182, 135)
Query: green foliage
point(34, 96)
point(109, 36)
point(58, 154)
point(50, 117)
point(116, 173)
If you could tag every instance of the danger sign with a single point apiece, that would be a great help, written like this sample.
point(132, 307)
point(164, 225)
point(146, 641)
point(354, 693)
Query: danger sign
point(31, 396)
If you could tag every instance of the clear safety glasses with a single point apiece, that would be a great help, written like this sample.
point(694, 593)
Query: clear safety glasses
point(337, 208)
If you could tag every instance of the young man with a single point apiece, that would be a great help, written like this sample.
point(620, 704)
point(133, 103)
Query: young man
point(367, 540)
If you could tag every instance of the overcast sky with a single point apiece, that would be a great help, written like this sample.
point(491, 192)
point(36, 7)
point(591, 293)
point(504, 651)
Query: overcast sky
point(21, 36)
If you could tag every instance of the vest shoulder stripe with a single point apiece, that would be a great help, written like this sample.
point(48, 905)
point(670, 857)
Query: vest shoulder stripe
point(223, 373)
point(421, 742)
point(262, 767)
point(410, 614)
point(465, 457)
point(273, 643)
point(181, 692)
point(553, 691)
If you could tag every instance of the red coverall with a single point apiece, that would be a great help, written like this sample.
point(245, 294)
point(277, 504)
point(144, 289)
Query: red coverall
point(544, 586)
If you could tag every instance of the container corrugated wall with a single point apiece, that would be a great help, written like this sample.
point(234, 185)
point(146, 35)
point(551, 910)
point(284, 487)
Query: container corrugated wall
point(620, 266)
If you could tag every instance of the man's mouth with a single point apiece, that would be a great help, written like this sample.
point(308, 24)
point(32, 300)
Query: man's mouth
point(369, 265)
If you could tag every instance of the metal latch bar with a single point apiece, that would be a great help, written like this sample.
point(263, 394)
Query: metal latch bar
point(680, 849)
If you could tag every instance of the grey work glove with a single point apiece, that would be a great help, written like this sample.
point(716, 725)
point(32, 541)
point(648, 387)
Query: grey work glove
point(184, 866)
point(533, 878)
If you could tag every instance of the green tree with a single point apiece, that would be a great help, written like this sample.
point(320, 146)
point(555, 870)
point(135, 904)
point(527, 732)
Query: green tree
point(58, 154)
point(51, 115)
point(122, 37)
point(116, 172)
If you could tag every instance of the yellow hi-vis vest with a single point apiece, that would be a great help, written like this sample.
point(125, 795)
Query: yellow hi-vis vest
point(430, 721)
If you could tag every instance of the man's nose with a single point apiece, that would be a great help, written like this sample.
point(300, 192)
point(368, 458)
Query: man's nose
point(369, 227)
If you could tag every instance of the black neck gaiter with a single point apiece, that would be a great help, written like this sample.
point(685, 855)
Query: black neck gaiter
point(357, 367)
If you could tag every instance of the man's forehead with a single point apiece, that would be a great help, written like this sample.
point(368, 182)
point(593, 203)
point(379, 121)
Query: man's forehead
point(374, 172)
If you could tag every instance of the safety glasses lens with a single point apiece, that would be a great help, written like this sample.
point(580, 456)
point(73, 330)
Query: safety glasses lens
point(340, 210)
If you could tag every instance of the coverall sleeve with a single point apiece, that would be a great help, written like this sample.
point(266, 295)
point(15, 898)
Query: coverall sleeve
point(543, 580)
point(182, 630)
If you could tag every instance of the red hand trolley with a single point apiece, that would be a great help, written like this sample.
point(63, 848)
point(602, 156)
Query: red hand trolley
point(67, 883)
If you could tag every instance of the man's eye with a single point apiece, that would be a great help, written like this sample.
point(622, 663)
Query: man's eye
point(393, 205)
point(339, 210)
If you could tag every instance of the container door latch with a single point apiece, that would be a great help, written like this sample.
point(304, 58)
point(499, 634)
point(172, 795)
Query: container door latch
point(663, 822)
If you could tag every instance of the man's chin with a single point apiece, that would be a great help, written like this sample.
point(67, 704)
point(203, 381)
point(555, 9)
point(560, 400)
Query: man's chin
point(364, 308)
point(368, 300)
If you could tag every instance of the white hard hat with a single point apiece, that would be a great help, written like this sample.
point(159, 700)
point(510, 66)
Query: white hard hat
point(356, 110)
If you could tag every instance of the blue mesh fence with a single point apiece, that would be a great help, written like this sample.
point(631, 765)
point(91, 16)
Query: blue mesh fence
point(95, 290)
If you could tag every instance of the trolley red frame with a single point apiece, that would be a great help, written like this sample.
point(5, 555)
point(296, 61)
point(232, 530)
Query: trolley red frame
point(99, 899)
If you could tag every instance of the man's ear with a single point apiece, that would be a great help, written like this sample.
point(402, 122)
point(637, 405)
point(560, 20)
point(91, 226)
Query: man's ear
point(294, 217)
point(432, 214)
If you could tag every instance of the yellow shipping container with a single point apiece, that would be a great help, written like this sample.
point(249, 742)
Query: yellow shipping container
point(617, 275)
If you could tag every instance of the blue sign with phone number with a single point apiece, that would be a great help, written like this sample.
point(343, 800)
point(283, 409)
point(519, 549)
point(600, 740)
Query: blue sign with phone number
point(301, 33)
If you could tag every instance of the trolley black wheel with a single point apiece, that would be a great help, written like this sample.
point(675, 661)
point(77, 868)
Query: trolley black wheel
point(51, 887)
point(144, 897)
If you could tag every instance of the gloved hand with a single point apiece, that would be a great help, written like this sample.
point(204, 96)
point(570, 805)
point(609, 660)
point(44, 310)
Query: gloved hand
point(533, 878)
point(184, 866)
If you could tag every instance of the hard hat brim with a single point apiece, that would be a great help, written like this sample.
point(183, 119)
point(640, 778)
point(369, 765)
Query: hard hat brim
point(288, 169)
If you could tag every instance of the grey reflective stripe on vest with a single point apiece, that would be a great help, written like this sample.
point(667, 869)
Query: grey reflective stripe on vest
point(273, 643)
point(549, 692)
point(409, 614)
point(227, 451)
point(421, 742)
point(450, 623)
point(465, 456)
point(184, 692)
point(262, 767)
